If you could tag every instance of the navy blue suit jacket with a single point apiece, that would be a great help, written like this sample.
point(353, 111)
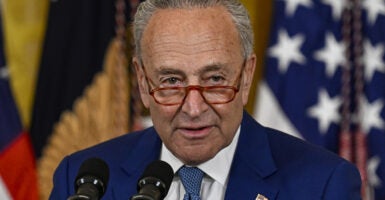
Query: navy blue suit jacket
point(267, 162)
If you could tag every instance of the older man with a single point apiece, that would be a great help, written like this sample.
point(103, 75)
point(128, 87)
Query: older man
point(195, 66)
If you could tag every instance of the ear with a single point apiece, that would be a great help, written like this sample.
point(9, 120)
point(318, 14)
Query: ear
point(142, 83)
point(247, 77)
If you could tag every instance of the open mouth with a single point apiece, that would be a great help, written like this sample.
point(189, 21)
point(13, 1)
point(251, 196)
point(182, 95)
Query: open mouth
point(196, 132)
point(196, 129)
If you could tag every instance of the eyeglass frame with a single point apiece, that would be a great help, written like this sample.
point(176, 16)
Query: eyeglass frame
point(188, 88)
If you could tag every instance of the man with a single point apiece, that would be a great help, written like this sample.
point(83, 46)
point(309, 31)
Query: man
point(195, 66)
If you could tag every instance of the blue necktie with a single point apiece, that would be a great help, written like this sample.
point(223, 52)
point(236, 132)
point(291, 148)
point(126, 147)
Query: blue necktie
point(191, 179)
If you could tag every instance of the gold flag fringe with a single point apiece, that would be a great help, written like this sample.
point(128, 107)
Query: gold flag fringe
point(100, 114)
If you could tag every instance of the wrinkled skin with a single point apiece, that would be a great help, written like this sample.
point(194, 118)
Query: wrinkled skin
point(194, 47)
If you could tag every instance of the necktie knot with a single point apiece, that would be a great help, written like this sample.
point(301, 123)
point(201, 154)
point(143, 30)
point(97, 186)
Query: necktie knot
point(191, 178)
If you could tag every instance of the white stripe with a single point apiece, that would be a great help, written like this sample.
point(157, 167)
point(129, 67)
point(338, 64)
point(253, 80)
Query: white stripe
point(268, 112)
point(4, 194)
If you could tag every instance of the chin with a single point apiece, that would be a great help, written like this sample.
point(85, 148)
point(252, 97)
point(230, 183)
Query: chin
point(193, 159)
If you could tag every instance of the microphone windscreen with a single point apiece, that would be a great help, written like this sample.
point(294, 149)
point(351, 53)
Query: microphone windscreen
point(160, 170)
point(95, 167)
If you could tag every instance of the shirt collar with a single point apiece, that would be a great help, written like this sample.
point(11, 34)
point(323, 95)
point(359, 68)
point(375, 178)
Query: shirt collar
point(217, 168)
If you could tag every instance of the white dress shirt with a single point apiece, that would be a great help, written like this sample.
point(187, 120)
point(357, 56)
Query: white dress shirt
point(216, 171)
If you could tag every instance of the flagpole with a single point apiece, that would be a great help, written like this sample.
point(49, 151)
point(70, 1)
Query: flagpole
point(345, 149)
point(360, 145)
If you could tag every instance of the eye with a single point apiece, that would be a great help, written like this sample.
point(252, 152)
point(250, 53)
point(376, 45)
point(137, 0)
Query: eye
point(214, 79)
point(217, 78)
point(170, 82)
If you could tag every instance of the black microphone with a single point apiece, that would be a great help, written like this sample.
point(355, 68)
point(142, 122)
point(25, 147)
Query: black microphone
point(91, 181)
point(155, 181)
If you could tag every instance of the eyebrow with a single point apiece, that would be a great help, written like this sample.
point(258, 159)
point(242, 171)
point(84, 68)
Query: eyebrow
point(205, 69)
point(168, 70)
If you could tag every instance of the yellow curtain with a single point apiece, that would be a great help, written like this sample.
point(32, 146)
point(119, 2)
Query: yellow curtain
point(260, 13)
point(24, 24)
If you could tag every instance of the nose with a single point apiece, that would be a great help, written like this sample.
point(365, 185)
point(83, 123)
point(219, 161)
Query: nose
point(194, 103)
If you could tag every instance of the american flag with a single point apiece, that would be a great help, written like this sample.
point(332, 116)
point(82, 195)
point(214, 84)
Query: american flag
point(313, 54)
point(17, 164)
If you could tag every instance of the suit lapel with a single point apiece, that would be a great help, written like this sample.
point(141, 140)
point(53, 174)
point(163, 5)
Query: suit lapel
point(145, 151)
point(252, 163)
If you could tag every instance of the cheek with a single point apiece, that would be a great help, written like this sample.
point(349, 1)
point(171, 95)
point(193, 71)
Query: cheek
point(233, 107)
point(231, 115)
point(163, 111)
point(162, 116)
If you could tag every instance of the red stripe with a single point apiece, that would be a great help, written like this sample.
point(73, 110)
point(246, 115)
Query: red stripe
point(18, 169)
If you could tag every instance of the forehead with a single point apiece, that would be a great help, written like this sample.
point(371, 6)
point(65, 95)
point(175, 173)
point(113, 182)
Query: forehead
point(190, 38)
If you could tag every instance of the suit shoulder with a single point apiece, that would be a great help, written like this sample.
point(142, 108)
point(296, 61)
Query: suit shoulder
point(288, 148)
point(113, 147)
point(312, 165)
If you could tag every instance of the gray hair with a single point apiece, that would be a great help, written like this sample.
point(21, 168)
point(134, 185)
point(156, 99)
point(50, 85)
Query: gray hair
point(238, 13)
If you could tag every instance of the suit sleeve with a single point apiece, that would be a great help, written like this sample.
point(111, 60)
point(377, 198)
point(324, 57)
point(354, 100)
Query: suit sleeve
point(344, 183)
point(61, 186)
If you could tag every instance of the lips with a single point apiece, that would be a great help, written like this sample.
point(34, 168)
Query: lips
point(195, 132)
